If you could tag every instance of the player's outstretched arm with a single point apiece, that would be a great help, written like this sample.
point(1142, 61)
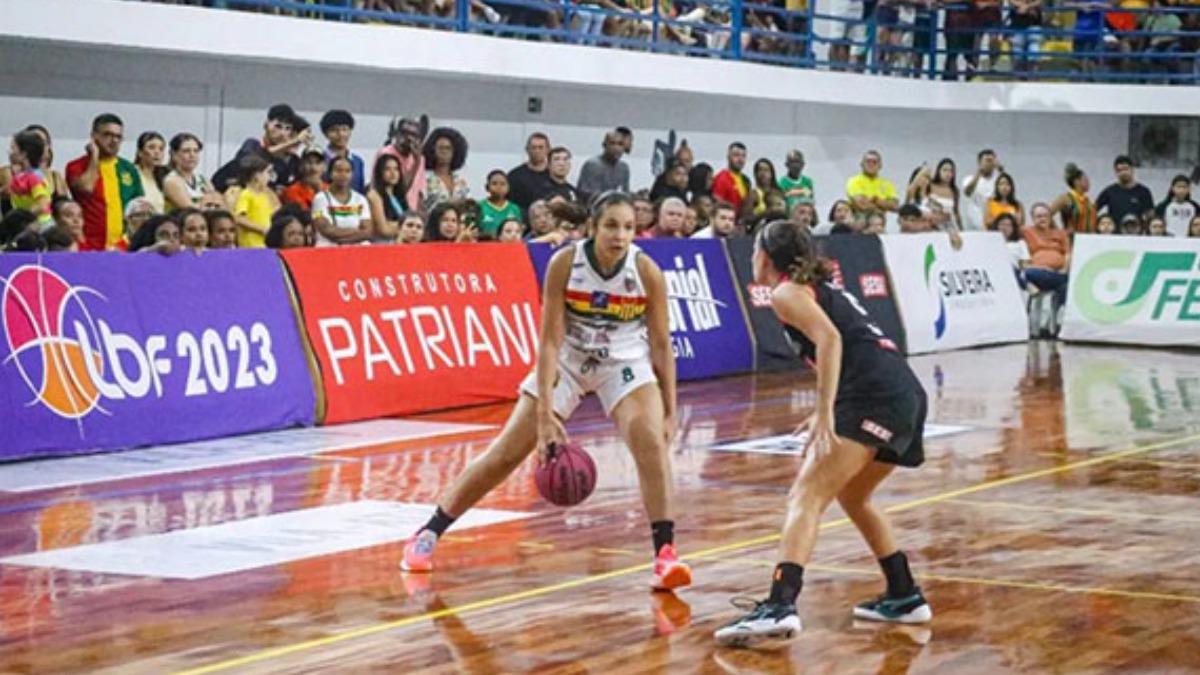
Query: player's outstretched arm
point(550, 429)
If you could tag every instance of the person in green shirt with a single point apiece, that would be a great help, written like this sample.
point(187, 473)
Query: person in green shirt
point(496, 208)
point(796, 187)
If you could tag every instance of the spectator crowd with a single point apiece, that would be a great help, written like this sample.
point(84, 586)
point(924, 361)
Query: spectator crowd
point(287, 188)
point(1126, 40)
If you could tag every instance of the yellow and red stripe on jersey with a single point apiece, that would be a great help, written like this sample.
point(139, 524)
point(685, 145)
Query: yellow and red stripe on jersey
point(604, 305)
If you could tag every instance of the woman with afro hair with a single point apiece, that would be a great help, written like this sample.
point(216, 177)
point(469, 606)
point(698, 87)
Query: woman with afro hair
point(445, 154)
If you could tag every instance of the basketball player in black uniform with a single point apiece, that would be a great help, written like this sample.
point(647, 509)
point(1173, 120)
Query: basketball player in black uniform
point(869, 419)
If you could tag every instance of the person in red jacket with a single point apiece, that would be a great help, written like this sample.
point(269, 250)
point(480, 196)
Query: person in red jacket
point(731, 185)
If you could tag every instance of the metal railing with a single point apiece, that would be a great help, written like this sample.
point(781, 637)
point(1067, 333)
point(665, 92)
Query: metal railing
point(1082, 40)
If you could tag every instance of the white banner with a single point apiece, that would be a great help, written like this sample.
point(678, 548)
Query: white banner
point(952, 299)
point(1136, 290)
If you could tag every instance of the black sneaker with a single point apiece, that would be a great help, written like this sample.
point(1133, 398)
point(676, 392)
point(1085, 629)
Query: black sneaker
point(908, 609)
point(767, 624)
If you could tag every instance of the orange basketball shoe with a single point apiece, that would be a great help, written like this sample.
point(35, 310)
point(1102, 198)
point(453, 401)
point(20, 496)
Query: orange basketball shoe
point(418, 552)
point(669, 572)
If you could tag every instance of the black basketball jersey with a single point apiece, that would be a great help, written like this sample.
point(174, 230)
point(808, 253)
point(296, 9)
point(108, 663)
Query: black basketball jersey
point(871, 362)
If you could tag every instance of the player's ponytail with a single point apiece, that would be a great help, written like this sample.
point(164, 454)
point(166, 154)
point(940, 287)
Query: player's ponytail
point(791, 250)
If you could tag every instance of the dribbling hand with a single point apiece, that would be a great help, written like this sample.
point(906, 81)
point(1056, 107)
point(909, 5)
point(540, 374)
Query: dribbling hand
point(550, 432)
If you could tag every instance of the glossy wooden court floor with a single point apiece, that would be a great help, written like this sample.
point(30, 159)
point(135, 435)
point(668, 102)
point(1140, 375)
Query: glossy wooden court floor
point(1056, 534)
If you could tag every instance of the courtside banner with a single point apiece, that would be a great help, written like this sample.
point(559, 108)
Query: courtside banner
point(406, 329)
point(103, 351)
point(1137, 290)
point(708, 328)
point(774, 351)
point(952, 299)
point(858, 267)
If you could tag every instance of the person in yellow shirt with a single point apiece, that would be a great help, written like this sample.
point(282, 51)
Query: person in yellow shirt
point(256, 203)
point(868, 191)
point(1005, 201)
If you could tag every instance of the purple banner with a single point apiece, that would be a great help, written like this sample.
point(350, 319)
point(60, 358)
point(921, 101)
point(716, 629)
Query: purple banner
point(708, 326)
point(110, 351)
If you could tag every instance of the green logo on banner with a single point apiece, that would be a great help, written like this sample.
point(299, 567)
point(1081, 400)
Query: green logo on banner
point(939, 324)
point(1100, 281)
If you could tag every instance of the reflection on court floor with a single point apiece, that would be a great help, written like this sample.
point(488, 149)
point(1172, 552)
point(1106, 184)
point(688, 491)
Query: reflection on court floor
point(1051, 527)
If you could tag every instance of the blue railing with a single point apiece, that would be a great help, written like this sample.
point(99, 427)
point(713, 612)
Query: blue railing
point(1081, 40)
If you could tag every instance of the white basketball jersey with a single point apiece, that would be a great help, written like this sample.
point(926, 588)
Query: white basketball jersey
point(606, 317)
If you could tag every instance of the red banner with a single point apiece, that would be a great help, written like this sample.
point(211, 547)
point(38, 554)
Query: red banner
point(406, 329)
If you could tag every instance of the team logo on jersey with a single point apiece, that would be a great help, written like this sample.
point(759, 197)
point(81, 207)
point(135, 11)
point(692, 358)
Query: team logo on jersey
point(877, 430)
point(605, 305)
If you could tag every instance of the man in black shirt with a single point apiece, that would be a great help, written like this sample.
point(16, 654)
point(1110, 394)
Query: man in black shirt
point(530, 181)
point(284, 133)
point(560, 168)
point(1126, 196)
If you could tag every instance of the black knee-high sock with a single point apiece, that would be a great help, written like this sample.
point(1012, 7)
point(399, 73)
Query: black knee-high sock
point(439, 522)
point(663, 532)
point(900, 580)
point(786, 584)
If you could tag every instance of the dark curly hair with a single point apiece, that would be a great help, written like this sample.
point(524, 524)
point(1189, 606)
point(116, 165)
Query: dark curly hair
point(456, 139)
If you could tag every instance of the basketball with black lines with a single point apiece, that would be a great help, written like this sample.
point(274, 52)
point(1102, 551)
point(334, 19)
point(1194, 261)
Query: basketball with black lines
point(568, 476)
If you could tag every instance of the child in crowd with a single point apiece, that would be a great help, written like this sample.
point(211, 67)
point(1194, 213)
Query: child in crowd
point(496, 209)
point(256, 202)
point(28, 187)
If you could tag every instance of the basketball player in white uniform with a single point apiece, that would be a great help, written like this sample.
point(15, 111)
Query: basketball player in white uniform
point(604, 330)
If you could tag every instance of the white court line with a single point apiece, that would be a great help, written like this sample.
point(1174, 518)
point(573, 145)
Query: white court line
point(249, 544)
point(788, 444)
point(60, 472)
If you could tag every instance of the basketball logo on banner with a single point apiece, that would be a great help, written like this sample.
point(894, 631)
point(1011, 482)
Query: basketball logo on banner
point(59, 370)
point(94, 356)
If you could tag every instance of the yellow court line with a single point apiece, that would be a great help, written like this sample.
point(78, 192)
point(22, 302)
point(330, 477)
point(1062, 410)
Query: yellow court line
point(1166, 463)
point(1136, 515)
point(986, 581)
point(615, 551)
point(1033, 475)
point(511, 598)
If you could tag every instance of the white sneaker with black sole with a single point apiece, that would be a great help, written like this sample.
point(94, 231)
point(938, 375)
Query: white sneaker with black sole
point(766, 625)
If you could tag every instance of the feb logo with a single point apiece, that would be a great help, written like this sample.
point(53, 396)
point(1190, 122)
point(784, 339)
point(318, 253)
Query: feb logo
point(1116, 286)
point(35, 309)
